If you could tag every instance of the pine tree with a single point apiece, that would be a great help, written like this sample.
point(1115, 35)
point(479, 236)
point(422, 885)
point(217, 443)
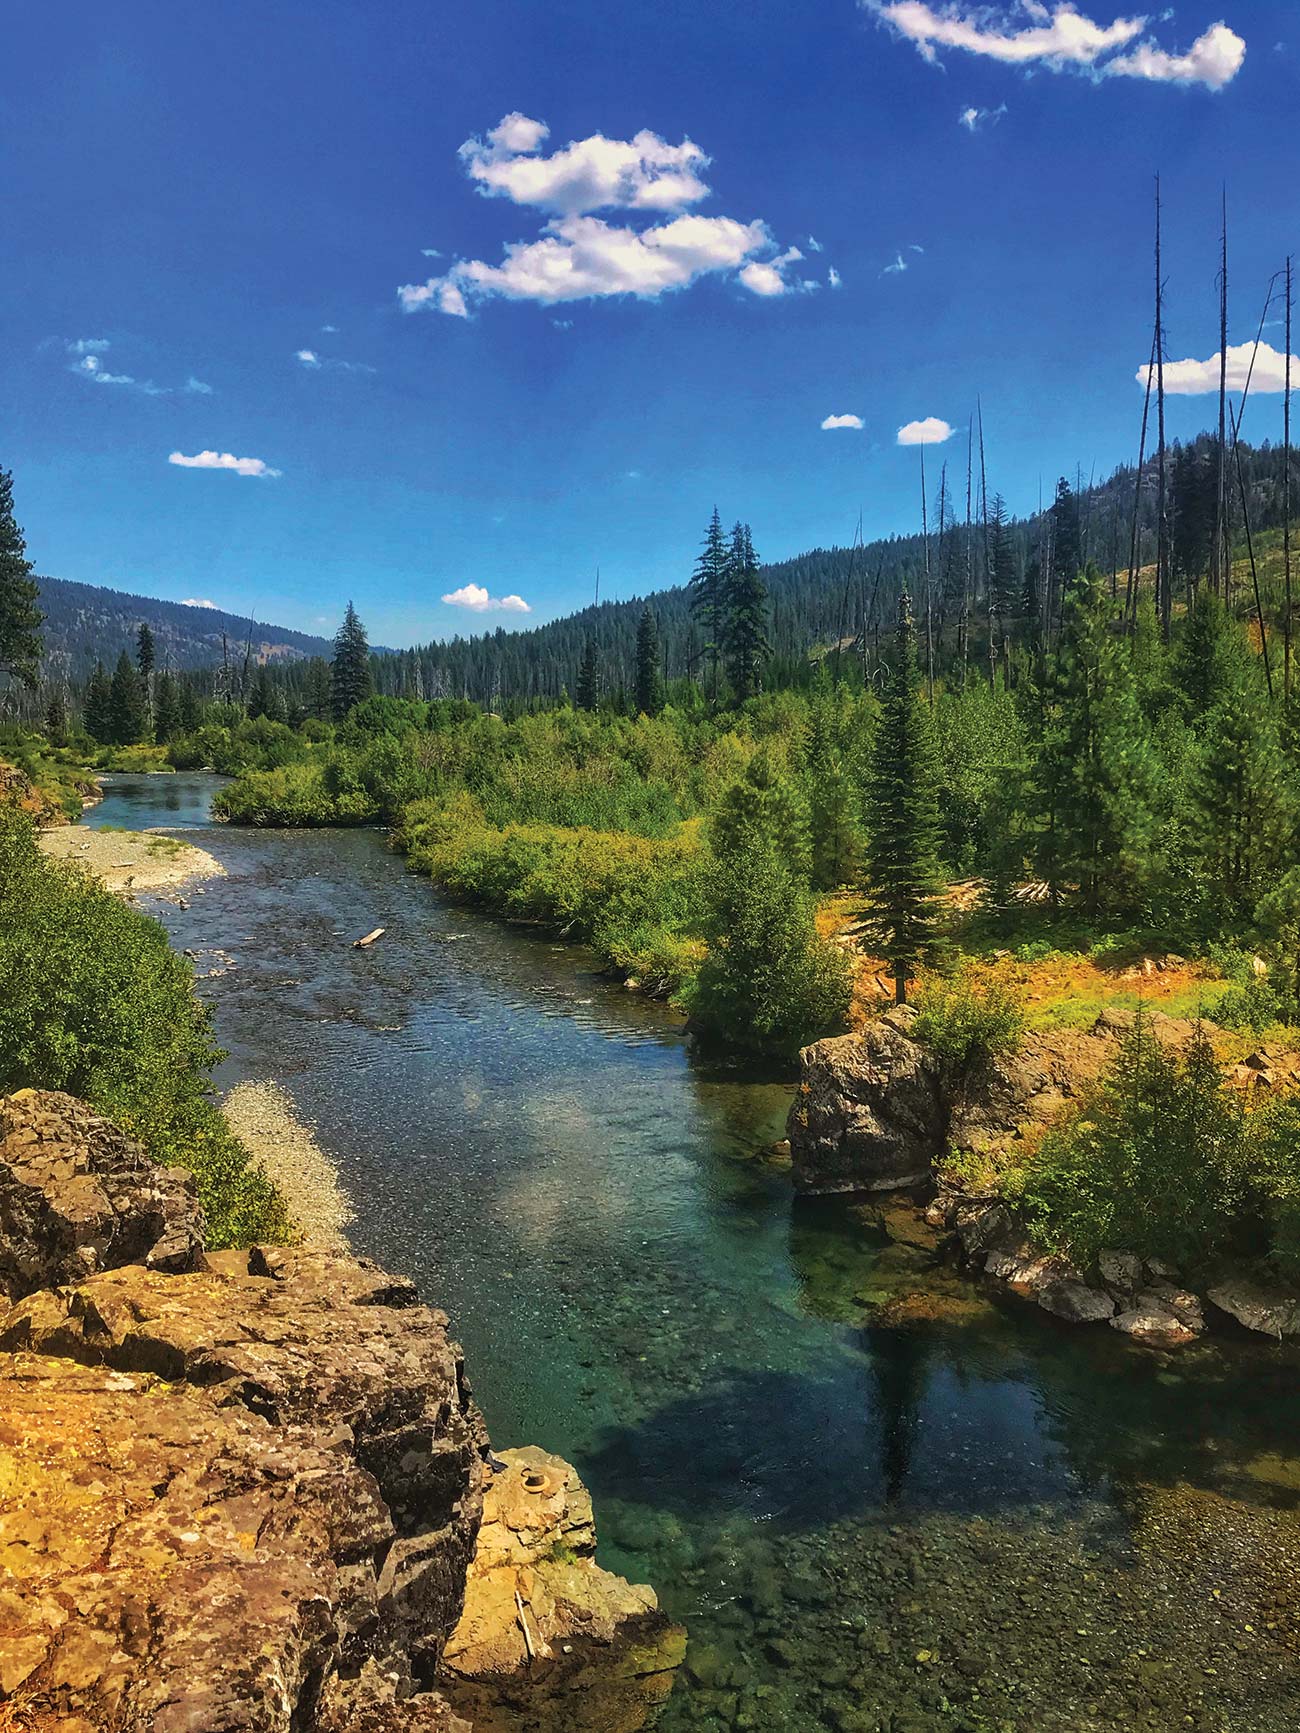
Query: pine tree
point(1194, 488)
point(649, 673)
point(166, 710)
point(1210, 655)
point(188, 708)
point(126, 712)
point(1242, 812)
point(144, 661)
point(56, 718)
point(1006, 589)
point(902, 854)
point(1096, 774)
point(1067, 534)
point(708, 588)
point(746, 612)
point(835, 840)
point(98, 716)
point(350, 669)
point(20, 617)
point(316, 694)
point(262, 698)
point(587, 686)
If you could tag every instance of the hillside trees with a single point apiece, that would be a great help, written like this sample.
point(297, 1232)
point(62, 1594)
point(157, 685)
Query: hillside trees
point(649, 673)
point(745, 616)
point(708, 587)
point(20, 617)
point(126, 714)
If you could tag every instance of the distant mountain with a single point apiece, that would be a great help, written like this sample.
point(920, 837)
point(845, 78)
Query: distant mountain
point(85, 624)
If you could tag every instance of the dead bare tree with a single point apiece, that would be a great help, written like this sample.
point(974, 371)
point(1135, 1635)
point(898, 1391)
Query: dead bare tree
point(1222, 552)
point(1286, 495)
point(1130, 593)
point(1164, 594)
point(989, 602)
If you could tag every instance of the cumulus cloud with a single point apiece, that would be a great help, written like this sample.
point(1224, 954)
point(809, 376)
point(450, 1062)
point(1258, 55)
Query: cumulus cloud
point(974, 118)
point(833, 421)
point(223, 460)
point(197, 387)
point(581, 256)
point(479, 601)
point(87, 345)
point(931, 431)
point(1061, 38)
point(597, 173)
point(1195, 378)
point(314, 362)
point(833, 278)
point(197, 602)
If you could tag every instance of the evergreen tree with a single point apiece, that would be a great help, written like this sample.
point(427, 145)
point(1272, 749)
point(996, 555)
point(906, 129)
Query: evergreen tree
point(56, 718)
point(188, 707)
point(1096, 771)
point(746, 616)
point(1067, 534)
point(1210, 655)
point(350, 669)
point(902, 854)
point(1193, 516)
point(126, 710)
point(649, 673)
point(262, 700)
point(1241, 821)
point(587, 686)
point(835, 840)
point(20, 617)
point(768, 982)
point(98, 716)
point(166, 710)
point(708, 588)
point(1006, 589)
point(316, 693)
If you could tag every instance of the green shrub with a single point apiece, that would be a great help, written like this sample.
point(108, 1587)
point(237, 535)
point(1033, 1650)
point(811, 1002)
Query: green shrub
point(968, 1017)
point(94, 1001)
point(1156, 1160)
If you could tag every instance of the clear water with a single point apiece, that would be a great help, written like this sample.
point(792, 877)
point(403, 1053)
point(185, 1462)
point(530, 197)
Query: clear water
point(876, 1498)
point(148, 802)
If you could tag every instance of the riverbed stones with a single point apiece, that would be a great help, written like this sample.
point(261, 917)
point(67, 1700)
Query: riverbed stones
point(78, 1196)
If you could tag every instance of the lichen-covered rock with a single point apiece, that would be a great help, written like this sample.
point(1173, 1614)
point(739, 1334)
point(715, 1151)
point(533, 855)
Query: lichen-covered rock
point(78, 1196)
point(1146, 1319)
point(544, 1627)
point(869, 1114)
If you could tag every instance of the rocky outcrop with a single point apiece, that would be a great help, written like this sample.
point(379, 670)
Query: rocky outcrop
point(870, 1112)
point(245, 1496)
point(874, 1111)
point(78, 1196)
point(541, 1617)
point(1257, 1308)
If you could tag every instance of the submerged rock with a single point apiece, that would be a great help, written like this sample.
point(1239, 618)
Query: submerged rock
point(78, 1196)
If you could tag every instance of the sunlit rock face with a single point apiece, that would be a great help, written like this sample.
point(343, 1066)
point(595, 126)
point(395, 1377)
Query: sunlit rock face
point(78, 1196)
point(241, 1492)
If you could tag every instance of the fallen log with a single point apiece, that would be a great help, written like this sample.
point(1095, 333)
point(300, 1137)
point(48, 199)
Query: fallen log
point(369, 939)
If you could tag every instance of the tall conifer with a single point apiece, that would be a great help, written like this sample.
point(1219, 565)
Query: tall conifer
point(350, 669)
point(649, 674)
point(746, 616)
point(902, 854)
point(708, 596)
point(20, 617)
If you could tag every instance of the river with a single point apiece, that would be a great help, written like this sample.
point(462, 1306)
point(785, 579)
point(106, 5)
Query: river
point(877, 1497)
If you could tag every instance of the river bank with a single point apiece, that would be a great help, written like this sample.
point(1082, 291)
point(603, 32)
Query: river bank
point(130, 861)
point(263, 1118)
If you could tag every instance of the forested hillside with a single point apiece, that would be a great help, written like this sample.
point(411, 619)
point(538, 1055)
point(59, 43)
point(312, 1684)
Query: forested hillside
point(85, 624)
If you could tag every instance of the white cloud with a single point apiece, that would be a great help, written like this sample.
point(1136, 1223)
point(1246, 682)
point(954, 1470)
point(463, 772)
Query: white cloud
point(931, 431)
point(223, 460)
point(597, 173)
point(833, 421)
point(813, 244)
point(479, 601)
point(89, 365)
point(197, 602)
point(833, 278)
point(314, 362)
point(1213, 60)
point(897, 268)
point(974, 118)
point(87, 345)
point(580, 256)
point(1195, 378)
point(1062, 38)
point(430, 252)
point(197, 387)
point(330, 330)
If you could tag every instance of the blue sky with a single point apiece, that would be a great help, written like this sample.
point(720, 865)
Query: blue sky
point(197, 198)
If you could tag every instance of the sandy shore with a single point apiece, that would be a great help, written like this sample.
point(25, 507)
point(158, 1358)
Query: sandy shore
point(262, 1116)
point(130, 860)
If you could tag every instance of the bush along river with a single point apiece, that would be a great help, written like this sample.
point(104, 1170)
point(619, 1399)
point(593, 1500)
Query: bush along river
point(877, 1498)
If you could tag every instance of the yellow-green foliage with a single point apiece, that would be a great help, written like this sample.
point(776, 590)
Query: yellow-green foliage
point(634, 898)
point(93, 1000)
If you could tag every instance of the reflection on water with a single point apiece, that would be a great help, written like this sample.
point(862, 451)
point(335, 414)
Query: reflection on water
point(878, 1500)
point(141, 802)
